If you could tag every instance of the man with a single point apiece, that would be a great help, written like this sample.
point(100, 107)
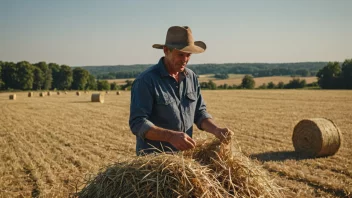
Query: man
point(166, 99)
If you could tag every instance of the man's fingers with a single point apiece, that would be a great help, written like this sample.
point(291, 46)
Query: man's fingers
point(191, 141)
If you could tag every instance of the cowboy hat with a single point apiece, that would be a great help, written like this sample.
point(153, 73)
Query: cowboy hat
point(180, 38)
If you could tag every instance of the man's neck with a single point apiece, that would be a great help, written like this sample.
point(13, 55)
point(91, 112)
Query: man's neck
point(174, 74)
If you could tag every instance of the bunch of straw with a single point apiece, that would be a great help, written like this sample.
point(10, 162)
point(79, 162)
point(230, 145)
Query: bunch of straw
point(237, 173)
point(316, 137)
point(162, 175)
point(212, 169)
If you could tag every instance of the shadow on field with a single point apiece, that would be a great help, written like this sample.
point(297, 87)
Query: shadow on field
point(278, 156)
point(81, 102)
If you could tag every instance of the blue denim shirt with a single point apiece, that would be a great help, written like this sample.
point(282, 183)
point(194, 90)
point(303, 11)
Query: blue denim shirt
point(158, 99)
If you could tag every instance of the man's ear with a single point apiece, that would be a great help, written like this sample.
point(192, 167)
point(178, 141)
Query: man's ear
point(166, 50)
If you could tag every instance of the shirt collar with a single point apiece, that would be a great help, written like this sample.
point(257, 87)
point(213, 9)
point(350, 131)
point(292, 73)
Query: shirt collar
point(163, 71)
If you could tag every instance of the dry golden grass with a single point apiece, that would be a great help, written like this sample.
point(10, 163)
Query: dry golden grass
point(47, 144)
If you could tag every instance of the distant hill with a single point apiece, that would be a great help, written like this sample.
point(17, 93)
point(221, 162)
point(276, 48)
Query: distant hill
point(255, 69)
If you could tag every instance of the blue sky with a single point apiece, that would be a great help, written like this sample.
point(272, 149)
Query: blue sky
point(84, 32)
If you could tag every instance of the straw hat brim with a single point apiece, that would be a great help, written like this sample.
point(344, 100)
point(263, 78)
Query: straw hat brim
point(197, 48)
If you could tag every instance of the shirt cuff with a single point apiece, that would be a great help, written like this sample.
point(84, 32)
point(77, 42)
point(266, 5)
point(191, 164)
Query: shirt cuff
point(203, 116)
point(144, 128)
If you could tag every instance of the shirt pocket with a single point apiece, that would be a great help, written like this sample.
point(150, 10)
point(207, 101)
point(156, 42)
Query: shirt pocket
point(192, 96)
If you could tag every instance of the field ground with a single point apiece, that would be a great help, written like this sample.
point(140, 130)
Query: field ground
point(237, 79)
point(49, 144)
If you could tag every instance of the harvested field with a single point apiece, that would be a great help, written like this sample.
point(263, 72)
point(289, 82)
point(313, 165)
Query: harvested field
point(48, 144)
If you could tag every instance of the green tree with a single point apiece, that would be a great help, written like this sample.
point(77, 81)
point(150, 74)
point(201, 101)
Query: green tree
point(1, 83)
point(328, 77)
point(103, 85)
point(114, 86)
point(91, 83)
point(347, 73)
point(248, 82)
point(25, 75)
point(211, 85)
point(280, 85)
point(271, 85)
point(263, 86)
point(9, 75)
point(80, 78)
point(47, 74)
point(55, 73)
point(38, 78)
point(296, 83)
point(64, 77)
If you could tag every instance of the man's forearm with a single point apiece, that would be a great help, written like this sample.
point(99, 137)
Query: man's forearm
point(208, 125)
point(159, 134)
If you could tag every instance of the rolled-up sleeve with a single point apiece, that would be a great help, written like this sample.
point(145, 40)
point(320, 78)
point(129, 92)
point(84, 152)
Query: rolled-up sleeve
point(141, 108)
point(201, 111)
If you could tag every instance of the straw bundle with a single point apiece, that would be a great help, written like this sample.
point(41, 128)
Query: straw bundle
point(30, 94)
point(49, 93)
point(118, 93)
point(211, 169)
point(97, 97)
point(162, 175)
point(316, 137)
point(12, 97)
point(78, 93)
point(237, 173)
point(41, 94)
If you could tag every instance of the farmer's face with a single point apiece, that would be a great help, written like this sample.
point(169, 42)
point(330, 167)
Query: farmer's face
point(176, 60)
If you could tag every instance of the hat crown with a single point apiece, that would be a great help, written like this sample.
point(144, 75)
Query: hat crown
point(179, 36)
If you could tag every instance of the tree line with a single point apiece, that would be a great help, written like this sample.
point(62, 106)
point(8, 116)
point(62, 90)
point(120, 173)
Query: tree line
point(248, 82)
point(254, 69)
point(42, 76)
point(336, 76)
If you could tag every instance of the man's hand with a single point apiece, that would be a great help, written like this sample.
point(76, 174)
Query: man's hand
point(223, 134)
point(181, 141)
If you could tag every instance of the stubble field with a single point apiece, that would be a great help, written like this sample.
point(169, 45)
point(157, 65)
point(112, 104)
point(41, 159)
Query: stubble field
point(48, 145)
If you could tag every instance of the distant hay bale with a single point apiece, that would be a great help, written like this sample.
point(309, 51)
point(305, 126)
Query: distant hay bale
point(126, 89)
point(107, 92)
point(30, 94)
point(49, 93)
point(78, 93)
point(118, 93)
point(41, 94)
point(65, 92)
point(97, 97)
point(316, 137)
point(209, 170)
point(12, 97)
point(58, 93)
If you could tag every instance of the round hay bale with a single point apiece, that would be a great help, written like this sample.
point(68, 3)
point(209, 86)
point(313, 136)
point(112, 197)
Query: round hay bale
point(107, 92)
point(118, 93)
point(49, 93)
point(58, 93)
point(12, 97)
point(30, 94)
point(162, 175)
point(78, 93)
point(65, 92)
point(316, 137)
point(97, 97)
point(41, 94)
